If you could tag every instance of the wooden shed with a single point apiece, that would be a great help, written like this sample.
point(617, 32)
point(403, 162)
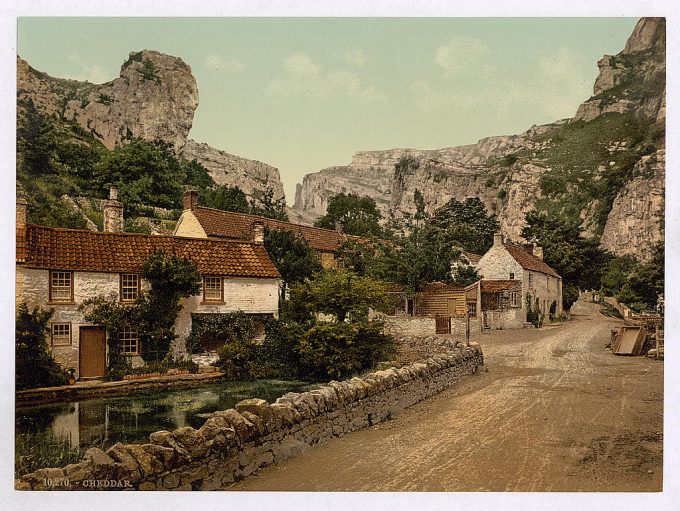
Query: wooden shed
point(440, 299)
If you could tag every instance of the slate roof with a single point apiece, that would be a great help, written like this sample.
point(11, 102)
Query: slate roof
point(230, 225)
point(81, 250)
point(496, 286)
point(529, 261)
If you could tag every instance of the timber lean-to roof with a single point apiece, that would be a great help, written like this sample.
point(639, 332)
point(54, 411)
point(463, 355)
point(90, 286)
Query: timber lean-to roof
point(497, 286)
point(227, 224)
point(81, 250)
point(529, 261)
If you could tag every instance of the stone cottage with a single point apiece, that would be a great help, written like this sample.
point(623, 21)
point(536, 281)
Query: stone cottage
point(60, 268)
point(512, 275)
point(201, 222)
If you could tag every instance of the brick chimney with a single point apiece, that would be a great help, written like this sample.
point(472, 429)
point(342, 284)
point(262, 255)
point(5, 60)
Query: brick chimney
point(113, 212)
point(190, 199)
point(21, 230)
point(497, 239)
point(538, 252)
point(258, 232)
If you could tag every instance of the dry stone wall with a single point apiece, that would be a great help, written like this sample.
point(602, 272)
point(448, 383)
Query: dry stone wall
point(235, 443)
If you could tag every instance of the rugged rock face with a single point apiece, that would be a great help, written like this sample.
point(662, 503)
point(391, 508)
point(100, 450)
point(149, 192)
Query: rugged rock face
point(230, 170)
point(154, 99)
point(633, 226)
point(537, 169)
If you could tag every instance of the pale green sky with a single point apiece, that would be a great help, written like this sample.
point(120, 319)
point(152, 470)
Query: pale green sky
point(306, 93)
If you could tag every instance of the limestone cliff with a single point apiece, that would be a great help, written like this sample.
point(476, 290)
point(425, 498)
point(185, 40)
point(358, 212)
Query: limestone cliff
point(591, 167)
point(154, 98)
point(226, 169)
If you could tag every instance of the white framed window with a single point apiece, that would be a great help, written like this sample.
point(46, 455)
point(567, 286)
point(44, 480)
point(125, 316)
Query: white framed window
point(514, 299)
point(213, 289)
point(61, 334)
point(129, 341)
point(129, 287)
point(61, 286)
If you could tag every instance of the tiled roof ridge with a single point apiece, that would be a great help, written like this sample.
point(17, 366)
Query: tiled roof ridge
point(276, 220)
point(142, 235)
point(539, 264)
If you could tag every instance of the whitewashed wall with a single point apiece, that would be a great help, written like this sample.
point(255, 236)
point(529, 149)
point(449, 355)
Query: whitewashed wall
point(258, 296)
point(497, 264)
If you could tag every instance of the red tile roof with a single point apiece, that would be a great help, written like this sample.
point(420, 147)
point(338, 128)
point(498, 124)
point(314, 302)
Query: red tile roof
point(71, 249)
point(473, 258)
point(529, 261)
point(227, 224)
point(496, 286)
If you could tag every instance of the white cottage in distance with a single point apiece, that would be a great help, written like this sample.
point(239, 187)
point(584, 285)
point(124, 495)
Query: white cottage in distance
point(61, 268)
point(509, 274)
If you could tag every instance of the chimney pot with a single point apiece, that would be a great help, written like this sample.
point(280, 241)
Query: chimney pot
point(339, 228)
point(113, 193)
point(258, 232)
point(538, 252)
point(190, 199)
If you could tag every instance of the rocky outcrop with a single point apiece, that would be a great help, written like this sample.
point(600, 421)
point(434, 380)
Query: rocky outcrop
point(227, 169)
point(505, 172)
point(634, 224)
point(154, 98)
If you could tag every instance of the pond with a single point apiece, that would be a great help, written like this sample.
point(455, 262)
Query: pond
point(63, 431)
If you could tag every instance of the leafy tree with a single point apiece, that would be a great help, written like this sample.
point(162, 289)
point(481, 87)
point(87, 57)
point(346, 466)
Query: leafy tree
point(463, 224)
point(579, 261)
point(617, 273)
point(465, 275)
point(341, 294)
point(264, 204)
point(357, 215)
point(171, 278)
point(145, 173)
point(291, 255)
point(196, 175)
point(226, 198)
point(35, 141)
point(644, 285)
point(35, 366)
point(419, 201)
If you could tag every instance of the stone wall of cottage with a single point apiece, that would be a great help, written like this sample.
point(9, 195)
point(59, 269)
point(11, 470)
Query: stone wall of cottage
point(544, 287)
point(235, 443)
point(497, 264)
point(32, 286)
point(512, 317)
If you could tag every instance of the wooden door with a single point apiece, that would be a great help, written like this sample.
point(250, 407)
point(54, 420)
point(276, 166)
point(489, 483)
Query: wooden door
point(451, 305)
point(92, 352)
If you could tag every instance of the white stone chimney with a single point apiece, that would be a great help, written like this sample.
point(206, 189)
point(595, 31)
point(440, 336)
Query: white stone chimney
point(339, 228)
point(497, 239)
point(190, 199)
point(113, 212)
point(258, 232)
point(538, 252)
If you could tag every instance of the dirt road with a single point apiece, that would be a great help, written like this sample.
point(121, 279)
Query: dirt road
point(554, 412)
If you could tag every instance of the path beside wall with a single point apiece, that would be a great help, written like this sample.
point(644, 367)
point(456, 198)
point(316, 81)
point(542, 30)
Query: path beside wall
point(235, 443)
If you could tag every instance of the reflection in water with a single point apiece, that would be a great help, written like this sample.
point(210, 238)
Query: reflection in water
point(103, 422)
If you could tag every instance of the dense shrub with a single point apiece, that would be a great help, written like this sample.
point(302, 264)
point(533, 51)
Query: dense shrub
point(337, 350)
point(35, 366)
